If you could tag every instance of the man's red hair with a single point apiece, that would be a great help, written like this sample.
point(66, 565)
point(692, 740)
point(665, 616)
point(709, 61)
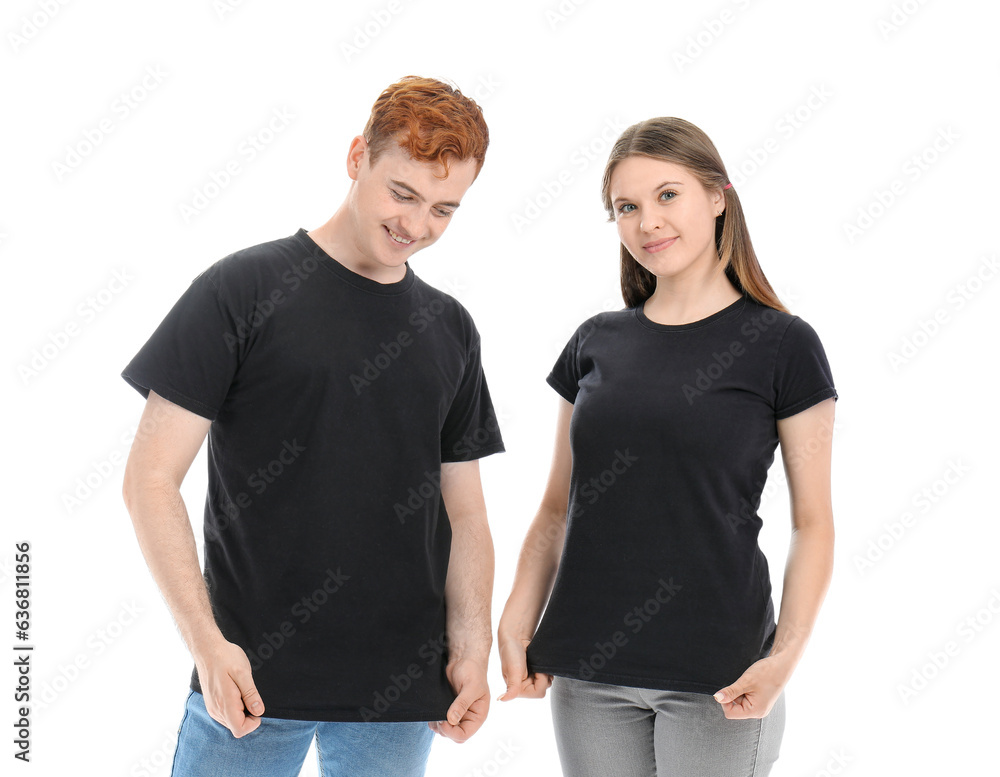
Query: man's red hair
point(430, 120)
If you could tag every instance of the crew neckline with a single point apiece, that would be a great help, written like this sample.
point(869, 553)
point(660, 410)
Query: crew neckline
point(356, 279)
point(731, 309)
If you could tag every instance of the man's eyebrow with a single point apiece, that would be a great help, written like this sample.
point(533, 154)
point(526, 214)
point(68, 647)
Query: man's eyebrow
point(655, 188)
point(418, 195)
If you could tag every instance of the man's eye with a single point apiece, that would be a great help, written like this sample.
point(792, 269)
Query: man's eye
point(399, 196)
point(444, 212)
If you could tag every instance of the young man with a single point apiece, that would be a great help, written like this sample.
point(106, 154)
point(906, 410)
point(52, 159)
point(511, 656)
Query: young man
point(348, 560)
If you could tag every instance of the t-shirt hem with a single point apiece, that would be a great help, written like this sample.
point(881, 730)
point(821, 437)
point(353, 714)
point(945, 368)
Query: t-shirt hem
point(804, 404)
point(292, 713)
point(562, 390)
point(144, 385)
point(478, 453)
point(631, 681)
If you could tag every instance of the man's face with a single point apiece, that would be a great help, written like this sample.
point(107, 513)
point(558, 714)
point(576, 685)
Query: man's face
point(399, 206)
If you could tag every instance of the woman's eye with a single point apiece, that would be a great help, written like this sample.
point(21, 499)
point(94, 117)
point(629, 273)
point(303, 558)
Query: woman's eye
point(663, 195)
point(625, 207)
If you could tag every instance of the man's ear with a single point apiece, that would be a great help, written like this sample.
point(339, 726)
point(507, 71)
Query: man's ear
point(356, 156)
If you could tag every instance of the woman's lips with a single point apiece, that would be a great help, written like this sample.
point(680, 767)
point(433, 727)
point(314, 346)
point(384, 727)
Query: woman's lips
point(659, 245)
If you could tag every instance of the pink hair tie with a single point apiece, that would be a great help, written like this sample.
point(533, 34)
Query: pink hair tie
point(726, 186)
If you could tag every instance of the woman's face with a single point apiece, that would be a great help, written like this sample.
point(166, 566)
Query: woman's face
point(665, 217)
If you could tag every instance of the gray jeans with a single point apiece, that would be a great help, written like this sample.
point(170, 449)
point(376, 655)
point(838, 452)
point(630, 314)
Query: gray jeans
point(606, 730)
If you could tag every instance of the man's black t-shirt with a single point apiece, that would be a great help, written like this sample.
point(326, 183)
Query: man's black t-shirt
point(334, 399)
point(661, 583)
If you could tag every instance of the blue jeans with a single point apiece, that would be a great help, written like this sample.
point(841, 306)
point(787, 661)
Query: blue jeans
point(278, 747)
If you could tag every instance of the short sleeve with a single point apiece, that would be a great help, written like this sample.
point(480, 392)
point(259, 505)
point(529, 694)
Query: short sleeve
point(565, 374)
point(802, 375)
point(471, 430)
point(192, 356)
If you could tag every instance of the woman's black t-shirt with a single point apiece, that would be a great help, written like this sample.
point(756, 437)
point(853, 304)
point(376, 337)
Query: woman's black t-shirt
point(334, 400)
point(661, 583)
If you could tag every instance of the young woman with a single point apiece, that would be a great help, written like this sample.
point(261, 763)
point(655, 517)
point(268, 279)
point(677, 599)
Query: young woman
point(659, 638)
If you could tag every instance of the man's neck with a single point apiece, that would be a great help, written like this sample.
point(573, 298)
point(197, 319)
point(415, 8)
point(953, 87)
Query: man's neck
point(336, 238)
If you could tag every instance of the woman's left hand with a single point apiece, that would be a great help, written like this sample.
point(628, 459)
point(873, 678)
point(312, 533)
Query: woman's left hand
point(758, 688)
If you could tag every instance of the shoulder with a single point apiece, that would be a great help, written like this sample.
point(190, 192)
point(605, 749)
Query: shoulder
point(432, 306)
point(261, 267)
point(783, 331)
point(605, 321)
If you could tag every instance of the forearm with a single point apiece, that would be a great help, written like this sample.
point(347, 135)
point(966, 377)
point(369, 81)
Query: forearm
point(808, 571)
point(537, 565)
point(167, 542)
point(469, 589)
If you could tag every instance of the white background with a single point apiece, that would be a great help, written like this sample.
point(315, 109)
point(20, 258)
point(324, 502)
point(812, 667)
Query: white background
point(556, 83)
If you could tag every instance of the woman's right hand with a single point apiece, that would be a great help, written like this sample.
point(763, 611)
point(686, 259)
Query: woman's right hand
point(514, 665)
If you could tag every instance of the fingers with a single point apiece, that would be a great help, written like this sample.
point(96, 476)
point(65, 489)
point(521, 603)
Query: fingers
point(227, 709)
point(533, 686)
point(458, 708)
point(230, 692)
point(514, 667)
point(248, 692)
point(468, 725)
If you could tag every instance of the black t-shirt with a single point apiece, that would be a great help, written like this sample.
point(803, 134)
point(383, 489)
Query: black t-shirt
point(661, 583)
point(334, 399)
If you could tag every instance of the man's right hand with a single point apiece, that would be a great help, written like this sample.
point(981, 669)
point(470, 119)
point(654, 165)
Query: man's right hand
point(227, 685)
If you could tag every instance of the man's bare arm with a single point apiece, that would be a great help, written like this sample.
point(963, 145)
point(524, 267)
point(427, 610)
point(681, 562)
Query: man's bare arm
point(166, 443)
point(468, 597)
